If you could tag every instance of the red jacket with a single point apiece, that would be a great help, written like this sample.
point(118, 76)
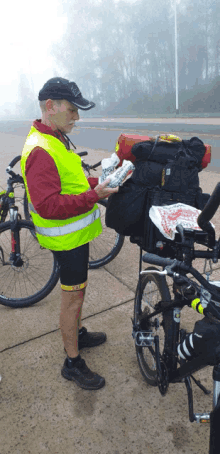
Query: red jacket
point(44, 184)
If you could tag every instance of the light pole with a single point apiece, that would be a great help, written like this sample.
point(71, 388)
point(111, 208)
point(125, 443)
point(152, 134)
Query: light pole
point(176, 60)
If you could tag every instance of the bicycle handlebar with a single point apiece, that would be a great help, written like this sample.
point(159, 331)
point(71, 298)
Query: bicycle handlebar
point(208, 212)
point(13, 162)
point(210, 209)
point(154, 259)
point(18, 178)
point(18, 158)
point(82, 153)
point(95, 165)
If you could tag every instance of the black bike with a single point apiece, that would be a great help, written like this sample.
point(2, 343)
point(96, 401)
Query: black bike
point(106, 246)
point(165, 353)
point(28, 272)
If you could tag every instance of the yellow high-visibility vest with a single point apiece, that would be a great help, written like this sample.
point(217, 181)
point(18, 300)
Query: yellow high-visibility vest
point(57, 234)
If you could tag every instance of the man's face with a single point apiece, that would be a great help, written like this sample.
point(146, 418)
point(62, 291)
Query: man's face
point(63, 116)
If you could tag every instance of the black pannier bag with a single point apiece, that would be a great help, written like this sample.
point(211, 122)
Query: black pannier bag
point(165, 173)
point(125, 213)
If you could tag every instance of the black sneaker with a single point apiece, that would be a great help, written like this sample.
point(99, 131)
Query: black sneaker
point(87, 339)
point(82, 375)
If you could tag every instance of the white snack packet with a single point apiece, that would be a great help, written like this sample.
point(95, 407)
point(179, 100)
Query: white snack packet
point(108, 166)
point(119, 175)
point(167, 217)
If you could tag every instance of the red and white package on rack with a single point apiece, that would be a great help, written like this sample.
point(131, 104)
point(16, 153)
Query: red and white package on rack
point(167, 217)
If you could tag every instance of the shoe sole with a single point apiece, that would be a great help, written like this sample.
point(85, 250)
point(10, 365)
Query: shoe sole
point(71, 378)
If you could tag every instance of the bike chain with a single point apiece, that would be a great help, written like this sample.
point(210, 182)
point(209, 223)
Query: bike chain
point(163, 378)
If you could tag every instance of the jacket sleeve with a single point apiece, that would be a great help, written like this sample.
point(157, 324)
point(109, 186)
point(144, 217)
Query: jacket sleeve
point(44, 187)
point(93, 182)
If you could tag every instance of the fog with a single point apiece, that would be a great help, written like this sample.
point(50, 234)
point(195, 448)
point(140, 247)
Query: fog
point(27, 33)
point(121, 54)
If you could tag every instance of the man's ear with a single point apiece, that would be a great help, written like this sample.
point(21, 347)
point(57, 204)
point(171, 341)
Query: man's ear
point(50, 106)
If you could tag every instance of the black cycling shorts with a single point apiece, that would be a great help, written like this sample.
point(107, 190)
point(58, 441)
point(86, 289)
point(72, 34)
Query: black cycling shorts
point(73, 267)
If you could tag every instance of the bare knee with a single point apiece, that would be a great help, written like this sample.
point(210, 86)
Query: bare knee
point(71, 300)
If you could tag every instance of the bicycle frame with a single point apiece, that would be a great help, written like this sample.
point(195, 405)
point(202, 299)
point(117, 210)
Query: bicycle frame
point(111, 249)
point(15, 255)
point(171, 373)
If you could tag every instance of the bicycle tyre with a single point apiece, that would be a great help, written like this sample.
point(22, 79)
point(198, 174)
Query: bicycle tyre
point(26, 210)
point(160, 292)
point(34, 270)
point(106, 246)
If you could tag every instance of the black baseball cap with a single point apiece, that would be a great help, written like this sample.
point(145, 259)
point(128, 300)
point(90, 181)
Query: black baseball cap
point(59, 88)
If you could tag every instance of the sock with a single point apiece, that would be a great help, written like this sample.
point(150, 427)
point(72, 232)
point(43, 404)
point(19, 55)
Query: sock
point(71, 361)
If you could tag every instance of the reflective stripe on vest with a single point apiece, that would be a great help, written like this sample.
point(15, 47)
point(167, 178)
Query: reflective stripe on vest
point(31, 207)
point(69, 228)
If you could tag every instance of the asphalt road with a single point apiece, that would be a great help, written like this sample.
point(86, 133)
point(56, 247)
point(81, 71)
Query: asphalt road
point(97, 135)
point(102, 134)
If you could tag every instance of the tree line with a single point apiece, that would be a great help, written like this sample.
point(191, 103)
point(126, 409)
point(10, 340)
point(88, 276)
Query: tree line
point(122, 54)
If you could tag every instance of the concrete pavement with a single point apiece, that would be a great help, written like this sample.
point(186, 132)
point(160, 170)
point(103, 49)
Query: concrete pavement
point(41, 412)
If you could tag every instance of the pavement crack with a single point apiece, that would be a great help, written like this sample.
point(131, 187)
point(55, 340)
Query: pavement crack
point(120, 280)
point(57, 329)
point(109, 308)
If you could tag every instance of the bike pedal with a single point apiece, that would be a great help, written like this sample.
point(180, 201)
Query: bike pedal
point(202, 417)
point(143, 338)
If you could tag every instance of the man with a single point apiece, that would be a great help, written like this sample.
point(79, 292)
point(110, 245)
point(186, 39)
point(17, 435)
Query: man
point(63, 207)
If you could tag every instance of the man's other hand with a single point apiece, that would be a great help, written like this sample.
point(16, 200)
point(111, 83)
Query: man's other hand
point(103, 191)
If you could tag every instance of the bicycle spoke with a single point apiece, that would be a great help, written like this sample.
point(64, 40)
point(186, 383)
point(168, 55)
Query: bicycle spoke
point(106, 246)
point(27, 280)
point(151, 296)
point(150, 290)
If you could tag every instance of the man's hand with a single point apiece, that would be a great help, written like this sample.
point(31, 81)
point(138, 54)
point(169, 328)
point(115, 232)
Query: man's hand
point(102, 190)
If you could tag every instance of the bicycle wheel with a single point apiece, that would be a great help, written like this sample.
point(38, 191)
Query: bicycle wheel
point(26, 210)
point(153, 288)
point(106, 246)
point(22, 286)
point(102, 249)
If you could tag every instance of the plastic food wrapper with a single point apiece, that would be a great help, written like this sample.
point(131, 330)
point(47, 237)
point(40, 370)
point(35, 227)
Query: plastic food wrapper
point(167, 217)
point(108, 166)
point(120, 174)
